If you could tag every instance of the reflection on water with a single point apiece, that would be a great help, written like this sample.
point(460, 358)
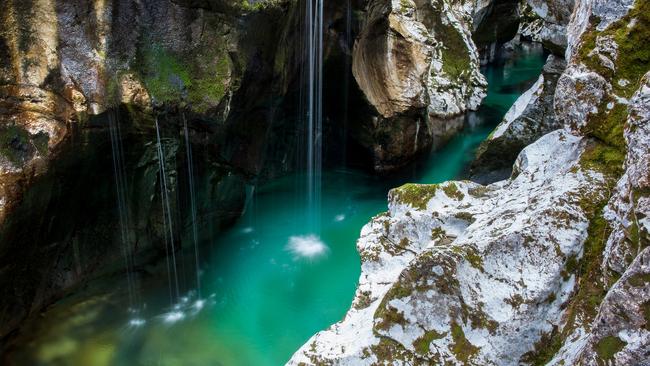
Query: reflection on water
point(268, 283)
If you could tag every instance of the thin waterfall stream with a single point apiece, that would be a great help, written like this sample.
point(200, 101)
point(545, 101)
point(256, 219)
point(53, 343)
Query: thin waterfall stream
point(121, 189)
point(170, 248)
point(262, 287)
point(195, 230)
point(314, 94)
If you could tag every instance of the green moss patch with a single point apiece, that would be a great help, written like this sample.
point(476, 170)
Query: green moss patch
point(165, 75)
point(15, 144)
point(389, 351)
point(415, 195)
point(639, 280)
point(200, 78)
point(388, 316)
point(455, 56)
point(548, 345)
point(633, 60)
point(423, 343)
point(607, 347)
point(452, 191)
point(478, 318)
point(461, 347)
point(471, 255)
point(608, 125)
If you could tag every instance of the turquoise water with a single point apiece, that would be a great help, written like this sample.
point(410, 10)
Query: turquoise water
point(269, 282)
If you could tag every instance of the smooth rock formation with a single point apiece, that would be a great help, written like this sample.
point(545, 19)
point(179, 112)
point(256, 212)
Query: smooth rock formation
point(495, 24)
point(417, 66)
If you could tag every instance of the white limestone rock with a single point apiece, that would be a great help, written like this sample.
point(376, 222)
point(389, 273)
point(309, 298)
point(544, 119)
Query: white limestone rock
point(460, 272)
point(549, 266)
point(402, 62)
point(555, 16)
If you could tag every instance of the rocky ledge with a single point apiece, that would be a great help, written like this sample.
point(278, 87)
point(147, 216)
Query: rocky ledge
point(548, 267)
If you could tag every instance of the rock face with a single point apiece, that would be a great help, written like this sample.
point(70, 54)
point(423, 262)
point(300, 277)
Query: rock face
point(495, 24)
point(554, 16)
point(417, 66)
point(72, 74)
point(549, 267)
point(452, 272)
point(531, 117)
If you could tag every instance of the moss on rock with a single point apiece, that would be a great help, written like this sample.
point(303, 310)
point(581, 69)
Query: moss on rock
point(15, 144)
point(423, 343)
point(461, 347)
point(452, 191)
point(608, 346)
point(415, 195)
point(628, 33)
point(199, 78)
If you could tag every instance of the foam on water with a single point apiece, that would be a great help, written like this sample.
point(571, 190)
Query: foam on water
point(307, 246)
point(173, 317)
point(137, 322)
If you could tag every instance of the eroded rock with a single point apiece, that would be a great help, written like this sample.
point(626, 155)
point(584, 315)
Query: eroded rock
point(418, 67)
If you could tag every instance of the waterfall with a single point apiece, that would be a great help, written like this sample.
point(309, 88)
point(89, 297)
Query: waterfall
point(195, 233)
point(346, 78)
point(167, 222)
point(313, 72)
point(121, 190)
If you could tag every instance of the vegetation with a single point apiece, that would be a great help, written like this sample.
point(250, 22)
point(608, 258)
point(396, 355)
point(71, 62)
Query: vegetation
point(606, 155)
point(452, 191)
point(423, 343)
point(200, 79)
point(461, 347)
point(628, 33)
point(14, 144)
point(415, 195)
point(456, 60)
point(608, 346)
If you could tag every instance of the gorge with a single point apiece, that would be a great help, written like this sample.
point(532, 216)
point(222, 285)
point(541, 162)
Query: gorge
point(183, 182)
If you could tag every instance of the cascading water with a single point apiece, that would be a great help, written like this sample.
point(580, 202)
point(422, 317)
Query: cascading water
point(195, 231)
point(313, 73)
point(172, 272)
point(346, 77)
point(121, 190)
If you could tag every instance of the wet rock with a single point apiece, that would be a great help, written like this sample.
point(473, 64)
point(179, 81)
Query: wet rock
point(65, 67)
point(66, 229)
